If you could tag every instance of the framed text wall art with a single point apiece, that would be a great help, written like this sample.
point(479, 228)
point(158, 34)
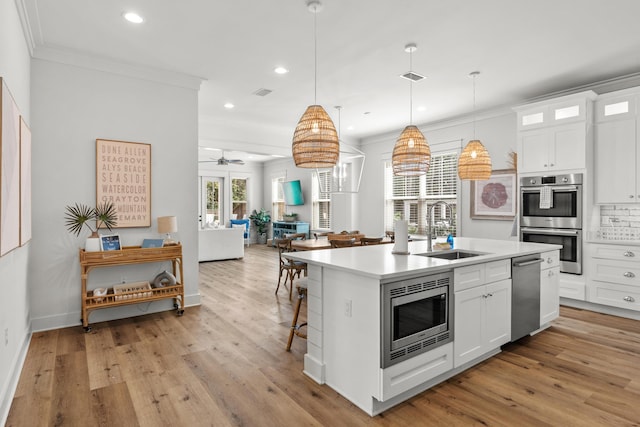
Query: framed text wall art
point(123, 176)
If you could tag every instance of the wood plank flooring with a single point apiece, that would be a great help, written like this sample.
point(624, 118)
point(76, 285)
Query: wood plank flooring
point(224, 364)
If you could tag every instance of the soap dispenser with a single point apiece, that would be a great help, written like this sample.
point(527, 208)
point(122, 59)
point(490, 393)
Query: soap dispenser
point(450, 241)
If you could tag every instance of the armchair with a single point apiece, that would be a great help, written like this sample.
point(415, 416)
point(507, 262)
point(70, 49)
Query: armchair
point(240, 223)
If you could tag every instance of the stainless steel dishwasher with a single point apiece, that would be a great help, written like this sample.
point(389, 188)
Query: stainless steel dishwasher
point(525, 295)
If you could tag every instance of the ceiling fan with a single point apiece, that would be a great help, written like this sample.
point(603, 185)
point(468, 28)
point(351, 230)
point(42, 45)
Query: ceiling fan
point(222, 161)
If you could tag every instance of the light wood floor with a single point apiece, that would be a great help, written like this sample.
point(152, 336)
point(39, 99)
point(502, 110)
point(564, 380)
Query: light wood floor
point(224, 363)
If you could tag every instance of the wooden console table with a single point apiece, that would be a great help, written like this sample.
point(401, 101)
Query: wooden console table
point(130, 255)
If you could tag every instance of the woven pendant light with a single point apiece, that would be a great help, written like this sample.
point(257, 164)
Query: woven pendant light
point(315, 140)
point(411, 154)
point(474, 163)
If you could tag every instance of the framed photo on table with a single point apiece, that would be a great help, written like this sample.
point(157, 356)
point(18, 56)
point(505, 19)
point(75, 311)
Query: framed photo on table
point(110, 242)
point(495, 198)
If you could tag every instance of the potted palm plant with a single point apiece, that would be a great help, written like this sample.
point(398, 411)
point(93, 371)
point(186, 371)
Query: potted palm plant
point(260, 219)
point(80, 215)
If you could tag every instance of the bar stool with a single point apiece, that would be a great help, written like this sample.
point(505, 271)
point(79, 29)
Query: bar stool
point(301, 286)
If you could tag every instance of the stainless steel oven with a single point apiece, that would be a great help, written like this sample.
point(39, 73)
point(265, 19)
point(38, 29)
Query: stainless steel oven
point(562, 207)
point(417, 316)
point(570, 239)
point(551, 212)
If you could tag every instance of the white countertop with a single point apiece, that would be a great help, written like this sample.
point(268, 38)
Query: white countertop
point(378, 262)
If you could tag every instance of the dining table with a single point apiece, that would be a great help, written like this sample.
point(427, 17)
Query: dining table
point(315, 244)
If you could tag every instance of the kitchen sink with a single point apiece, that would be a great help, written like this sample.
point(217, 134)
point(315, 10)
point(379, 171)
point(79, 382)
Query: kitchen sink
point(452, 254)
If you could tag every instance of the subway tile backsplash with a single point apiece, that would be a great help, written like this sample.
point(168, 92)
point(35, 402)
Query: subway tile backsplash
point(619, 222)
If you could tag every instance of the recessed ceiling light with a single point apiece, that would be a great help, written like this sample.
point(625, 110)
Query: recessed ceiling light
point(133, 17)
point(211, 149)
point(276, 155)
point(350, 128)
point(422, 108)
point(281, 70)
point(228, 105)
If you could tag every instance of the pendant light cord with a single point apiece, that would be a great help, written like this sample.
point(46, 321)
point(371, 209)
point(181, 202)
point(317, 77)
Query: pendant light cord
point(315, 55)
point(411, 88)
point(474, 106)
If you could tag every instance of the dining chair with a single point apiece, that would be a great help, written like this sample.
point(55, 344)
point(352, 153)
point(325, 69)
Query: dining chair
point(366, 241)
point(296, 236)
point(342, 243)
point(301, 287)
point(321, 234)
point(288, 266)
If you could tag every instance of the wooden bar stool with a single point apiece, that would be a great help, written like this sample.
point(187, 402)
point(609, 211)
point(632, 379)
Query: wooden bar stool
point(301, 286)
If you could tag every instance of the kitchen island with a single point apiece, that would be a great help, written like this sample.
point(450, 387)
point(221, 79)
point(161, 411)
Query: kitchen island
point(349, 294)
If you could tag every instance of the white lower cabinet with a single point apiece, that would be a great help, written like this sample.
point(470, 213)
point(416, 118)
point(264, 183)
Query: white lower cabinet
point(482, 316)
point(549, 287)
point(614, 275)
point(411, 373)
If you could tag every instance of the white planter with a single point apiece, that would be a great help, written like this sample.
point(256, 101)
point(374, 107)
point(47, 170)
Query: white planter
point(92, 244)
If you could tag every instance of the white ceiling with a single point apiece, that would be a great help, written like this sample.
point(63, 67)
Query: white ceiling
point(523, 49)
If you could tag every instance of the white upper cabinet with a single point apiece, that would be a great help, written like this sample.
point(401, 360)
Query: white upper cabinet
point(553, 135)
point(616, 153)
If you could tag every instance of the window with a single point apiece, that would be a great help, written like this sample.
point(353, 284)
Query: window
point(321, 200)
point(277, 199)
point(211, 202)
point(410, 197)
point(239, 197)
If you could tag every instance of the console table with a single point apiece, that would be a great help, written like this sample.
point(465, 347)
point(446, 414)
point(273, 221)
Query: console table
point(280, 228)
point(135, 293)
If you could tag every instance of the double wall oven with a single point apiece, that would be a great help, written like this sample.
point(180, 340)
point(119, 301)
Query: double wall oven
point(551, 212)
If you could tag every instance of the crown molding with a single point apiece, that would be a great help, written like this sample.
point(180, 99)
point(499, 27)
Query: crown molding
point(27, 29)
point(92, 62)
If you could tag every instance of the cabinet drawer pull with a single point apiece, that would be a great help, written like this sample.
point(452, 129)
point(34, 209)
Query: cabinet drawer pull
point(629, 254)
point(549, 260)
point(629, 274)
point(550, 273)
point(629, 299)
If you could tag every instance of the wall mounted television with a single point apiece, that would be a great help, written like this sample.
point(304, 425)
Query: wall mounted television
point(292, 191)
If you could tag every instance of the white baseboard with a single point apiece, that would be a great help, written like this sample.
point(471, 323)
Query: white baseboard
point(66, 320)
point(6, 395)
point(599, 308)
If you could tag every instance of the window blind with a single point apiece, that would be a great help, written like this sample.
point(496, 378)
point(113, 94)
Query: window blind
point(410, 197)
point(321, 199)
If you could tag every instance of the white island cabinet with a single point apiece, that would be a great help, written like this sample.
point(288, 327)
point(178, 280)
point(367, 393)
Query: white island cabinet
point(482, 309)
point(346, 299)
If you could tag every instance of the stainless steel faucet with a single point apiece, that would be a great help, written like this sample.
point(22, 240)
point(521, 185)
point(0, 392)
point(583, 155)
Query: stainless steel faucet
point(429, 212)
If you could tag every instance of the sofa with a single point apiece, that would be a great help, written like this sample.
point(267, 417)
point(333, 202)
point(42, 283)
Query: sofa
point(220, 243)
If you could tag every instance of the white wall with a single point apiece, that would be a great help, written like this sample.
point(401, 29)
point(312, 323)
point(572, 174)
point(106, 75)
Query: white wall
point(72, 106)
point(497, 131)
point(285, 167)
point(15, 65)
